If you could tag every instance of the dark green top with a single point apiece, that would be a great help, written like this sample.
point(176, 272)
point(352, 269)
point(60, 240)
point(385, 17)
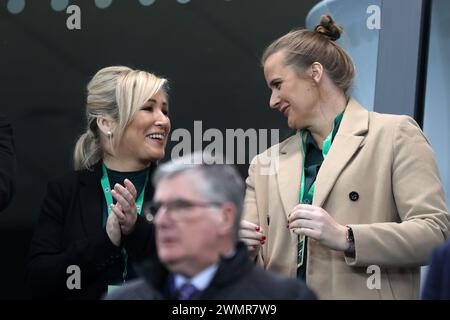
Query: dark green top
point(114, 274)
point(136, 177)
point(313, 161)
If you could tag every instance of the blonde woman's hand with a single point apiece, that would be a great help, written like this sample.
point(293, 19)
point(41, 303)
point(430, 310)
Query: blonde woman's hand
point(252, 235)
point(125, 208)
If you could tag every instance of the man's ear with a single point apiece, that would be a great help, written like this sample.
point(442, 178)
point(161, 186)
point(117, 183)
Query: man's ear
point(228, 218)
point(316, 72)
point(106, 126)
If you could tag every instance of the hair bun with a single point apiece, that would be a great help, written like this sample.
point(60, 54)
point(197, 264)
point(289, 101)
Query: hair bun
point(328, 27)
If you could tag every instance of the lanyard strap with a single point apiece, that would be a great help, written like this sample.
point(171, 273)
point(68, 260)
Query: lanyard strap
point(310, 193)
point(106, 187)
point(107, 192)
point(325, 149)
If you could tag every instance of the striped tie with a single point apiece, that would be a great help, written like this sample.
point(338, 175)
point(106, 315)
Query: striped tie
point(187, 291)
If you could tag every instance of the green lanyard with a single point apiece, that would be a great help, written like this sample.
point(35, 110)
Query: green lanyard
point(325, 149)
point(309, 196)
point(107, 191)
point(106, 187)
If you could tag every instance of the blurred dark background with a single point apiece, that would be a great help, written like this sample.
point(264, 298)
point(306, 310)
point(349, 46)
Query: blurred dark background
point(208, 49)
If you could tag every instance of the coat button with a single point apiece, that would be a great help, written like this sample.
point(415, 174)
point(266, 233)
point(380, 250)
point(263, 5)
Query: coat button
point(354, 196)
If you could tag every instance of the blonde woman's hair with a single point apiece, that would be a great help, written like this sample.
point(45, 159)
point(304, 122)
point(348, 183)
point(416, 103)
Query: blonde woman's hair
point(114, 93)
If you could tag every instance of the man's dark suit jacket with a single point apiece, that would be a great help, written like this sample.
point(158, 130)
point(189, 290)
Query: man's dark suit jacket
point(237, 278)
point(7, 163)
point(70, 231)
point(437, 284)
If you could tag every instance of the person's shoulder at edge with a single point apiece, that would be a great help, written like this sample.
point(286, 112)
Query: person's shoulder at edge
point(443, 250)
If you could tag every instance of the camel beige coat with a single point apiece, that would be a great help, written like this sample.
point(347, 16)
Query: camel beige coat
point(400, 216)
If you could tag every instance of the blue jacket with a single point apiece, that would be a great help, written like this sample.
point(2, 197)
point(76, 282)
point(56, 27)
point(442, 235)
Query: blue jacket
point(437, 284)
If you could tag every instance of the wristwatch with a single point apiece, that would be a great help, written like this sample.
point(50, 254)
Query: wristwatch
point(351, 243)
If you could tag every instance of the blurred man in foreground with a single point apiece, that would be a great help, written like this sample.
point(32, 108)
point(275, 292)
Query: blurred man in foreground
point(197, 210)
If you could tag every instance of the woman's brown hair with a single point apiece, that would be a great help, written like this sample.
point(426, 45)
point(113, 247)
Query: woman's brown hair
point(304, 47)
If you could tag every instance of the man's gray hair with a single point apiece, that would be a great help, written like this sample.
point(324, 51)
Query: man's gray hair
point(221, 182)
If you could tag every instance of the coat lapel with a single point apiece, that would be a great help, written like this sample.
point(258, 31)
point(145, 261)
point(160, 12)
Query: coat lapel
point(289, 173)
point(348, 140)
point(91, 198)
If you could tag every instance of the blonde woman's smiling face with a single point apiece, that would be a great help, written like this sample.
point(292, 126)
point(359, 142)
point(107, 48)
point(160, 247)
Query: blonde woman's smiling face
point(145, 137)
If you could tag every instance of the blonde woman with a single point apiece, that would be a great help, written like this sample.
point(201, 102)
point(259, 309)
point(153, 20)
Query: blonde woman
point(91, 218)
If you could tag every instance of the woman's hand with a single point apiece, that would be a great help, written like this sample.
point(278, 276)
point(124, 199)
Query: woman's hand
point(113, 229)
point(317, 224)
point(252, 235)
point(125, 208)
